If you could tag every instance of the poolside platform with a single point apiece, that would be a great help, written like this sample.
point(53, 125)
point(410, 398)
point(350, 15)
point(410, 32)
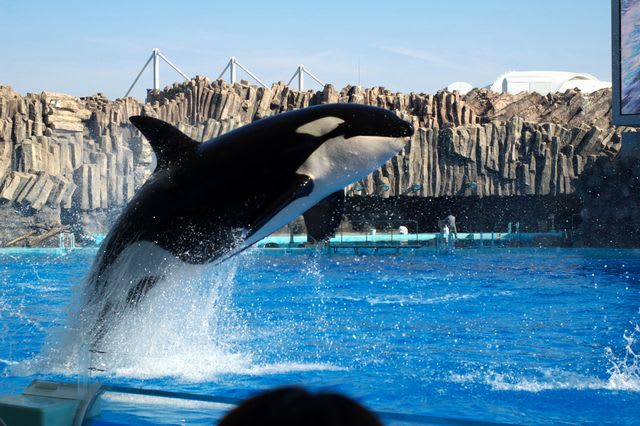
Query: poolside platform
point(395, 242)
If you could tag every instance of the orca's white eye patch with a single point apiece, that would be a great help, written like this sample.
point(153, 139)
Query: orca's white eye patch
point(320, 127)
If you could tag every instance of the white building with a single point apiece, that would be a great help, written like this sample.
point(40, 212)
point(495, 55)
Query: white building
point(461, 87)
point(545, 82)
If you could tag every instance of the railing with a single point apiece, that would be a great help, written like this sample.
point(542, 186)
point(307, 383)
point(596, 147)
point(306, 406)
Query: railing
point(70, 240)
point(381, 232)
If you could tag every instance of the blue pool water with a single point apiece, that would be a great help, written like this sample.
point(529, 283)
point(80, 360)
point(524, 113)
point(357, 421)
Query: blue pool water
point(528, 336)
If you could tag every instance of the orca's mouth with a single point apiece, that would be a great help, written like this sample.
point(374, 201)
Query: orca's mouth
point(406, 130)
point(397, 129)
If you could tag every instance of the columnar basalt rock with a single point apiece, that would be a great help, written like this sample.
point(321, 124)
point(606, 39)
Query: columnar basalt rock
point(80, 157)
point(496, 158)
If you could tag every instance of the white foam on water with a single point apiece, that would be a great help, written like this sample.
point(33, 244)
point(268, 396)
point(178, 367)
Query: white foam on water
point(40, 287)
point(453, 297)
point(137, 400)
point(208, 368)
point(410, 299)
point(545, 380)
point(186, 327)
point(625, 370)
point(624, 374)
point(290, 367)
point(8, 362)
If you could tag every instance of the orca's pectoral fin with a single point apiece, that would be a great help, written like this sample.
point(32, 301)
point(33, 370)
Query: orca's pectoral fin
point(137, 292)
point(300, 186)
point(323, 220)
point(169, 144)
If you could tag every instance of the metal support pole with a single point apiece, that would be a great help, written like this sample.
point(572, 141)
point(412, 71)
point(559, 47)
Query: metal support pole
point(300, 71)
point(155, 57)
point(139, 74)
point(156, 69)
point(173, 66)
point(252, 75)
point(232, 67)
point(293, 76)
point(301, 77)
point(224, 70)
point(232, 73)
point(313, 77)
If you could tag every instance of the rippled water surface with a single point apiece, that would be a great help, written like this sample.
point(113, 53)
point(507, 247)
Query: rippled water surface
point(518, 336)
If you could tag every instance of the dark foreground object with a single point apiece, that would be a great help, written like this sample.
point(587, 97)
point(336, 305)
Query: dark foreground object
point(292, 406)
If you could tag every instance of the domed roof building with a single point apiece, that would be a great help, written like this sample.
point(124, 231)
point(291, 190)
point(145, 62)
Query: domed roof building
point(461, 87)
point(544, 82)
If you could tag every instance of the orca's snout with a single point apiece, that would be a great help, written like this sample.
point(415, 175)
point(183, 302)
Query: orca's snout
point(406, 129)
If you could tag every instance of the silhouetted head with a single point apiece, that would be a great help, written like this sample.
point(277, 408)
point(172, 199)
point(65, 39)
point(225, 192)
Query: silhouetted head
point(293, 406)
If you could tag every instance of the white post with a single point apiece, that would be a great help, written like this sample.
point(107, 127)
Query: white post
point(156, 69)
point(232, 71)
point(301, 77)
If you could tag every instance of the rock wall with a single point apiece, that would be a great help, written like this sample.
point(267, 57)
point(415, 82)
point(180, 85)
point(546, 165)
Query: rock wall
point(75, 161)
point(610, 194)
point(497, 158)
point(483, 143)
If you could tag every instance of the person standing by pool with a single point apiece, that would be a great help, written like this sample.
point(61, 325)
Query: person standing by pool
point(448, 232)
point(404, 234)
point(451, 223)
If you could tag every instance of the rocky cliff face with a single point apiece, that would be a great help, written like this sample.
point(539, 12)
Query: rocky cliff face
point(72, 161)
point(482, 144)
point(610, 193)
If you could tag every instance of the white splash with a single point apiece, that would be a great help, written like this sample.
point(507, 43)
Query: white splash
point(544, 379)
point(411, 299)
point(624, 374)
point(187, 327)
point(625, 371)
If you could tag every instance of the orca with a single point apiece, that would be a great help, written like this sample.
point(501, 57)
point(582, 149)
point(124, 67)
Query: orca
point(206, 202)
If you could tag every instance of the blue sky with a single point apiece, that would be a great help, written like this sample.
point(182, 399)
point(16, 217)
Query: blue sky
point(84, 47)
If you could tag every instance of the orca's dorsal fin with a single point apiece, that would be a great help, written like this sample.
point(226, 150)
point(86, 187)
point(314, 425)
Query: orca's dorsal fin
point(169, 144)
